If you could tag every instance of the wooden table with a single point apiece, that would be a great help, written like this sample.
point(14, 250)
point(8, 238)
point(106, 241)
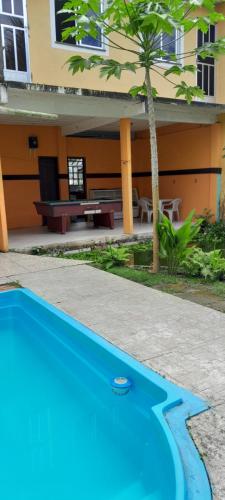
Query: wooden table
point(58, 213)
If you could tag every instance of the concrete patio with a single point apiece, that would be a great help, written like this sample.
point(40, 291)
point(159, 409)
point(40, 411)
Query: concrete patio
point(181, 340)
point(80, 234)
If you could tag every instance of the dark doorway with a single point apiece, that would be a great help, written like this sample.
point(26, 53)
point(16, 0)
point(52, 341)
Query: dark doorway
point(49, 182)
point(76, 178)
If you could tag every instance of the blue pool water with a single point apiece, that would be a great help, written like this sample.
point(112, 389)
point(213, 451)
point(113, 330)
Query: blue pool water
point(64, 434)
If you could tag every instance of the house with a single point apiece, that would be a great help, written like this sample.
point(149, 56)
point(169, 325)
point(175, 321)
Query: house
point(64, 135)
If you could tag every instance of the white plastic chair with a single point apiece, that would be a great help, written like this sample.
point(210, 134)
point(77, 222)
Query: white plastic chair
point(145, 205)
point(172, 209)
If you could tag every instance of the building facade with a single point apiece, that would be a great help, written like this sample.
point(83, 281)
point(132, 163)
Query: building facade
point(78, 133)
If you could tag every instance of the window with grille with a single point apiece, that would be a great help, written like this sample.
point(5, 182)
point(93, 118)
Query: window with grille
point(206, 67)
point(60, 25)
point(76, 176)
point(14, 7)
point(14, 39)
point(168, 43)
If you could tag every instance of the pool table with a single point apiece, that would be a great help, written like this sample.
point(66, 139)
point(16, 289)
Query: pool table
point(58, 213)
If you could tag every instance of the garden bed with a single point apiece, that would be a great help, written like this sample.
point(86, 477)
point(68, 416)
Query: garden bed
point(200, 291)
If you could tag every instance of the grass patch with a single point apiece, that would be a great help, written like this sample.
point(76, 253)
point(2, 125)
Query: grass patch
point(144, 277)
point(91, 255)
point(218, 288)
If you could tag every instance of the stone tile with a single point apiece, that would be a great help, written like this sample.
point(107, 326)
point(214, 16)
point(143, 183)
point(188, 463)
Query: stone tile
point(208, 432)
point(14, 263)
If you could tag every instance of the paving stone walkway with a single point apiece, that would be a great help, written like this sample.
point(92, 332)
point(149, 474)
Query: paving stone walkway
point(181, 340)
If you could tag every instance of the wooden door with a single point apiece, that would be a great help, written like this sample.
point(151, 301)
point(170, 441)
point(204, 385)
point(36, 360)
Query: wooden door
point(49, 182)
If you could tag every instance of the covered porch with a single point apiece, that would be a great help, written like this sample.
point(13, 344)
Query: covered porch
point(108, 132)
point(80, 235)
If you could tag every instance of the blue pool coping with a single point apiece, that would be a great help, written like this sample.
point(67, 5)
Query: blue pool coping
point(180, 406)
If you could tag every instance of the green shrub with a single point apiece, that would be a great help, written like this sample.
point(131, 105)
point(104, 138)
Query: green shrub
point(209, 265)
point(211, 236)
point(113, 257)
point(175, 243)
point(206, 217)
point(141, 247)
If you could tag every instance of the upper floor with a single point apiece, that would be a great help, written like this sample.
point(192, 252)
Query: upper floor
point(34, 52)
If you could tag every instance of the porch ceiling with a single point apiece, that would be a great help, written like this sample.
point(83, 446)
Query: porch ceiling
point(78, 111)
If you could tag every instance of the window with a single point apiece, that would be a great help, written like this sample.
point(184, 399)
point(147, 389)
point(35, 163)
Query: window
point(14, 39)
point(76, 176)
point(206, 67)
point(14, 7)
point(168, 43)
point(88, 41)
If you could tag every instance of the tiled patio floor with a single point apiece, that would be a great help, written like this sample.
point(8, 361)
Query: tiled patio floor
point(80, 234)
point(23, 239)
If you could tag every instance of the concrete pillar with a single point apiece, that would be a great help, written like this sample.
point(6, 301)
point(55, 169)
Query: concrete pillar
point(3, 222)
point(222, 164)
point(62, 164)
point(126, 171)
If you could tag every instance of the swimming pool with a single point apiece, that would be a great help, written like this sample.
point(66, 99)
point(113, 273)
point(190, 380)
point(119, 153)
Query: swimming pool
point(65, 434)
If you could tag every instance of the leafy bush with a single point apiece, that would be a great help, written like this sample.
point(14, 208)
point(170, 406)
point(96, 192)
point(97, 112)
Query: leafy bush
point(141, 247)
point(206, 217)
point(209, 265)
point(112, 257)
point(211, 236)
point(175, 243)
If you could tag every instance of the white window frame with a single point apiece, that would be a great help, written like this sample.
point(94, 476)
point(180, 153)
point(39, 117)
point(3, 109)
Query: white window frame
point(179, 48)
point(16, 75)
point(207, 98)
point(12, 13)
point(79, 47)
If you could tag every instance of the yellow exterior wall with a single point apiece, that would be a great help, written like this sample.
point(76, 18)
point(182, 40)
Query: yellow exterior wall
point(103, 156)
point(197, 191)
point(220, 64)
point(17, 159)
point(50, 68)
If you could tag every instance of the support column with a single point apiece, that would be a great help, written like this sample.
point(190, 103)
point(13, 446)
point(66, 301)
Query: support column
point(126, 172)
point(3, 222)
point(62, 161)
point(222, 163)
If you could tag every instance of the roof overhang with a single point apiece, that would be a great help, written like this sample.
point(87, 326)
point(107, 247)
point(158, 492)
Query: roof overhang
point(78, 111)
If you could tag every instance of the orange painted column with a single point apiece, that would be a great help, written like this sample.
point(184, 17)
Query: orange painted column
point(62, 161)
point(3, 222)
point(126, 172)
point(222, 163)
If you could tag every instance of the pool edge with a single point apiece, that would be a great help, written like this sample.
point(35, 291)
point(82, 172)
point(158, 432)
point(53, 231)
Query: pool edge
point(175, 412)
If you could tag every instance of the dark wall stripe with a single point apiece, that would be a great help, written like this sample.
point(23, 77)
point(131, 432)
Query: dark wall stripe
point(63, 176)
point(113, 175)
point(117, 175)
point(190, 171)
point(28, 177)
point(22, 177)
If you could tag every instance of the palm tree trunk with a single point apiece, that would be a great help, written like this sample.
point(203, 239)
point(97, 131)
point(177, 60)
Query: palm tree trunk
point(154, 169)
